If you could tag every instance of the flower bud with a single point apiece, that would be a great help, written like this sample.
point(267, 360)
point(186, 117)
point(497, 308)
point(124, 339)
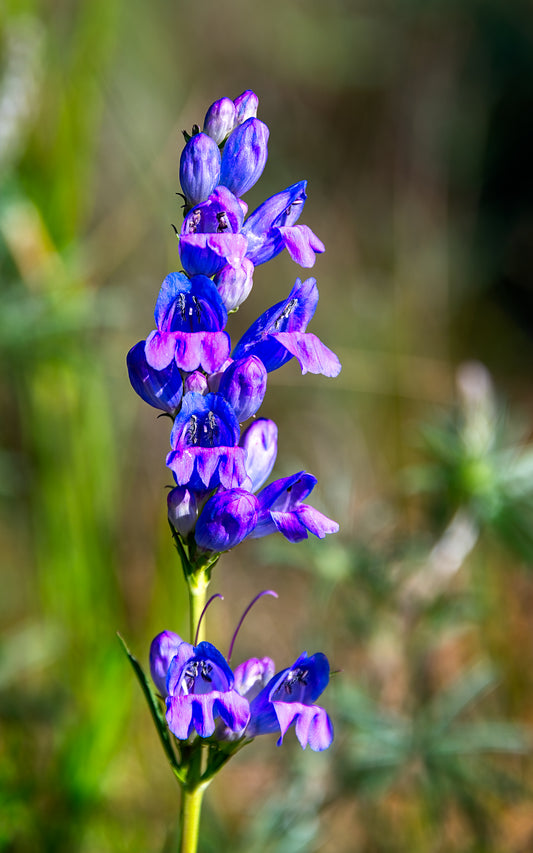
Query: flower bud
point(245, 106)
point(226, 519)
point(260, 444)
point(243, 384)
point(234, 284)
point(220, 119)
point(199, 168)
point(182, 510)
point(244, 156)
point(162, 651)
point(197, 382)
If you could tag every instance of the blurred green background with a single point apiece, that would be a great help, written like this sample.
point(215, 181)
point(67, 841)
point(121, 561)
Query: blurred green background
point(413, 122)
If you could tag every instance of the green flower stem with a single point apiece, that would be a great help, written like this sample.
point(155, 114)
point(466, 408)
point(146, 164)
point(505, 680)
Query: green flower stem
point(191, 806)
point(197, 584)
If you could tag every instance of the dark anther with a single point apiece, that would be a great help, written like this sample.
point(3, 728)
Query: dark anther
point(206, 669)
point(181, 305)
point(190, 674)
point(192, 430)
point(286, 313)
point(198, 307)
point(222, 220)
point(211, 428)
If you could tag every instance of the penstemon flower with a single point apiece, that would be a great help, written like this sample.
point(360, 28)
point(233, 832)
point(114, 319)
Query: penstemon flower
point(221, 455)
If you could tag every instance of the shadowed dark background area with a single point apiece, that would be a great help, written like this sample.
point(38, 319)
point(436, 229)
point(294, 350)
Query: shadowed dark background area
point(413, 123)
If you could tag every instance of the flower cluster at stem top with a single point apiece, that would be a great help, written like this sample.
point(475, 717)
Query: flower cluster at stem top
point(204, 697)
point(187, 367)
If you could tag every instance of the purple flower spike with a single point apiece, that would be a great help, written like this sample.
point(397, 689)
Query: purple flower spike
point(244, 156)
point(162, 389)
point(279, 334)
point(287, 700)
point(200, 690)
point(243, 384)
point(260, 445)
point(246, 106)
point(182, 509)
point(226, 519)
point(162, 651)
point(281, 508)
point(234, 285)
point(220, 119)
point(199, 168)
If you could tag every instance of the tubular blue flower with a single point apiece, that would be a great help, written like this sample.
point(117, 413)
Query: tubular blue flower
point(226, 519)
point(204, 441)
point(271, 228)
point(200, 690)
point(246, 106)
point(199, 168)
point(182, 509)
point(287, 700)
point(163, 649)
point(234, 284)
point(220, 119)
point(243, 384)
point(190, 317)
point(244, 156)
point(281, 508)
point(260, 445)
point(162, 389)
point(279, 334)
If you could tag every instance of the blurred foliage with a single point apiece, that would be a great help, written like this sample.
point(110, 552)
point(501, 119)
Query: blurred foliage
point(413, 122)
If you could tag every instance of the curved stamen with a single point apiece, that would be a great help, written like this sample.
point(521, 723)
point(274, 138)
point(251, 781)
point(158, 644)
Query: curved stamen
point(216, 595)
point(245, 614)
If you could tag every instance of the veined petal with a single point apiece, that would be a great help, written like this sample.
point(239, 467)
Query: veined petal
point(316, 522)
point(312, 724)
point(206, 350)
point(312, 354)
point(159, 349)
point(301, 244)
point(162, 389)
point(290, 525)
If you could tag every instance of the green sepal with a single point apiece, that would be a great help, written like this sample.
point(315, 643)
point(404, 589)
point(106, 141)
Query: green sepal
point(157, 714)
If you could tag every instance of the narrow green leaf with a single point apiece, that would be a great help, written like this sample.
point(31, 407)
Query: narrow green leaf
point(157, 714)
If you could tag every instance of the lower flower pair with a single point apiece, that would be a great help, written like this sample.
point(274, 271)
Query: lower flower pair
point(204, 697)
